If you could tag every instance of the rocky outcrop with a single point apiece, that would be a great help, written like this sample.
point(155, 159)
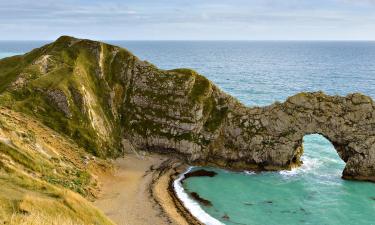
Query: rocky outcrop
point(181, 112)
point(59, 100)
point(213, 128)
point(271, 137)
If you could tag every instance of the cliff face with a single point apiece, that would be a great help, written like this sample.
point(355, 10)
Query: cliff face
point(107, 99)
point(271, 137)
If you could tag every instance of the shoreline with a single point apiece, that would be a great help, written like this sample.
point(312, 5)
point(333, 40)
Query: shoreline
point(140, 191)
point(163, 186)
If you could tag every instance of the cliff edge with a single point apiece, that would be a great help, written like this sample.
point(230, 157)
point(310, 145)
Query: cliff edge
point(108, 100)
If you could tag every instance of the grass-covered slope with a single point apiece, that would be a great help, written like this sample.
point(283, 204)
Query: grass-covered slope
point(44, 176)
point(73, 98)
point(98, 93)
point(70, 86)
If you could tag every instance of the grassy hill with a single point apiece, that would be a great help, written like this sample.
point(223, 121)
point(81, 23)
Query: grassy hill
point(67, 106)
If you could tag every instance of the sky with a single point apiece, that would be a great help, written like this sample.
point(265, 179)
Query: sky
point(188, 19)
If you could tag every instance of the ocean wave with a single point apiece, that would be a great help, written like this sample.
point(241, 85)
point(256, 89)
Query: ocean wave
point(191, 205)
point(250, 172)
point(309, 165)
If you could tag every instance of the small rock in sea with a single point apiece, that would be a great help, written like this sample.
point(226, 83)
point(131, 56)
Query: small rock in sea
point(200, 173)
point(285, 211)
point(269, 202)
point(373, 198)
point(304, 211)
point(225, 217)
point(200, 199)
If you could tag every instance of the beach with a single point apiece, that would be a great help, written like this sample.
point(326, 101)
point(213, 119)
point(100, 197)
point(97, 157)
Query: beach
point(139, 191)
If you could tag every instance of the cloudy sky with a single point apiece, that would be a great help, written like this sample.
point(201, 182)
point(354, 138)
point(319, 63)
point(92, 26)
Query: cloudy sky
point(188, 19)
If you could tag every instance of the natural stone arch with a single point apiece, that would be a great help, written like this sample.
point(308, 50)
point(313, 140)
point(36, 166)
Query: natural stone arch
point(270, 138)
point(179, 111)
point(319, 153)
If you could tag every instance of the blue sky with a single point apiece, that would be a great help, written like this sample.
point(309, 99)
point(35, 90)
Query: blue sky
point(188, 19)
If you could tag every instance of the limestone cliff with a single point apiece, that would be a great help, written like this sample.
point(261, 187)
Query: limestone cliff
point(104, 97)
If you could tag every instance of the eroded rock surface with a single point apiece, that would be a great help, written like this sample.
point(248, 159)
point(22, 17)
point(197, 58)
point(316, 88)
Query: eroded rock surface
point(217, 129)
point(271, 137)
point(112, 98)
point(59, 100)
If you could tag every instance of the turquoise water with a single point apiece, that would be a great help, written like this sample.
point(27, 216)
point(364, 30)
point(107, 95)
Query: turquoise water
point(312, 194)
point(259, 73)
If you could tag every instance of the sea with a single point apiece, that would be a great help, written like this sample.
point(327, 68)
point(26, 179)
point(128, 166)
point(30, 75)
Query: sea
point(259, 73)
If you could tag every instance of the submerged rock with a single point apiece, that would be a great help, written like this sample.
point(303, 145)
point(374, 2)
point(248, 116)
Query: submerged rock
point(225, 217)
point(200, 199)
point(248, 203)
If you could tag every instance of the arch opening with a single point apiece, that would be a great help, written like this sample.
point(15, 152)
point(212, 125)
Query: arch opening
point(320, 156)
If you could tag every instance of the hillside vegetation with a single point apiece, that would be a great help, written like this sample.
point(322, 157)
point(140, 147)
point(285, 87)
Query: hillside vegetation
point(66, 107)
point(44, 176)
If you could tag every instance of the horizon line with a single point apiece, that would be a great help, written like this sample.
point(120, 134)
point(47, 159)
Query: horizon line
point(223, 40)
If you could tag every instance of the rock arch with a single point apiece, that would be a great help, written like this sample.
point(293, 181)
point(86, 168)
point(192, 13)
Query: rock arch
point(270, 138)
point(319, 153)
point(180, 111)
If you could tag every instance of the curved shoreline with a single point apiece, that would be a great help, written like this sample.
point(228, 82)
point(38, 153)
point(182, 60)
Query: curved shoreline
point(163, 182)
point(140, 191)
point(189, 204)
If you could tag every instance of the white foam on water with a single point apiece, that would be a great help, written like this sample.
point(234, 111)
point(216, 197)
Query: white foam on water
point(249, 172)
point(288, 173)
point(309, 165)
point(191, 205)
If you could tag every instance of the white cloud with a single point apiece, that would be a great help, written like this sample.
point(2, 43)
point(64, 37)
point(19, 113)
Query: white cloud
point(188, 19)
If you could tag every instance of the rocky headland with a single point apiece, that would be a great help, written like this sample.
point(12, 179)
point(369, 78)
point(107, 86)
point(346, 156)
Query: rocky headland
point(106, 101)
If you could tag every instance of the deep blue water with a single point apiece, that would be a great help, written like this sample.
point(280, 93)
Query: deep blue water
point(259, 73)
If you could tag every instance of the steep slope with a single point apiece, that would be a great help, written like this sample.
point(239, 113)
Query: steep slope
point(39, 172)
point(98, 94)
point(63, 85)
point(107, 100)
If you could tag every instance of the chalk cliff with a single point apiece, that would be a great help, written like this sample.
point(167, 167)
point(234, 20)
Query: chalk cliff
point(108, 100)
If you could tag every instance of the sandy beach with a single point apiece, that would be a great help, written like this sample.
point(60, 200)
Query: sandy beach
point(139, 192)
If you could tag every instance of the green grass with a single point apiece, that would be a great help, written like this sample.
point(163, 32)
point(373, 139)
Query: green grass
point(200, 89)
point(75, 70)
point(45, 181)
point(23, 200)
point(216, 115)
point(9, 69)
